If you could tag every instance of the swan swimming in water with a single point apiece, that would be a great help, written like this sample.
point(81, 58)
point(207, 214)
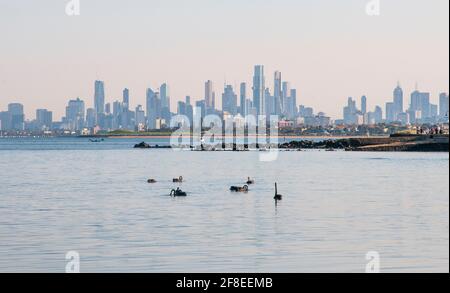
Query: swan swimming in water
point(250, 181)
point(178, 180)
point(277, 196)
point(178, 192)
point(239, 189)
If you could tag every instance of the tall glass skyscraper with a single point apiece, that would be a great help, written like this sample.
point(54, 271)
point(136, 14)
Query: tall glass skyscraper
point(243, 97)
point(126, 99)
point(443, 105)
point(421, 102)
point(285, 96)
point(99, 97)
point(398, 101)
point(229, 100)
point(165, 102)
point(153, 108)
point(258, 90)
point(363, 104)
point(209, 92)
point(75, 114)
point(165, 96)
point(278, 94)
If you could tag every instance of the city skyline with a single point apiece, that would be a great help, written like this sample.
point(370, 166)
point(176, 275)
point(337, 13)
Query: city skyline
point(281, 100)
point(102, 95)
point(49, 57)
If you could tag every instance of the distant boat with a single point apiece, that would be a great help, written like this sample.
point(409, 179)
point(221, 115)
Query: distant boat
point(96, 140)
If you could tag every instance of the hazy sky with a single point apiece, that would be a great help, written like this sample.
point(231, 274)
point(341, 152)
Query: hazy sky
point(329, 50)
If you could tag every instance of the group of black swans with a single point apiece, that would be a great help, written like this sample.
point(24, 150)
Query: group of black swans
point(179, 193)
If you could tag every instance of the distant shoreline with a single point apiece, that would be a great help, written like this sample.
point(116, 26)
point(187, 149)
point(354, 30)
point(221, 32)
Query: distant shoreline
point(287, 137)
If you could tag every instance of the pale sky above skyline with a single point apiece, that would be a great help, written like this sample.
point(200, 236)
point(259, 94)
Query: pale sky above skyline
point(328, 50)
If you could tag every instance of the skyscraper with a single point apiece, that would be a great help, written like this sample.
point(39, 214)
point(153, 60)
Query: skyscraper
point(434, 112)
point(443, 105)
point(421, 102)
point(126, 115)
point(286, 92)
point(139, 118)
point(17, 116)
point(99, 97)
point(209, 94)
point(165, 102)
point(202, 109)
point(126, 99)
point(189, 109)
point(350, 112)
point(107, 108)
point(164, 93)
point(243, 97)
point(117, 115)
point(291, 104)
point(270, 102)
point(5, 120)
point(153, 108)
point(277, 93)
point(378, 115)
point(181, 109)
point(249, 108)
point(75, 115)
point(90, 118)
point(390, 112)
point(398, 101)
point(213, 104)
point(229, 100)
point(363, 104)
point(258, 90)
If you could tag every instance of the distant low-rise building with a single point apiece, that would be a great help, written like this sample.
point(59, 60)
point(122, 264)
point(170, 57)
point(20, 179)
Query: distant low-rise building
point(285, 124)
point(404, 118)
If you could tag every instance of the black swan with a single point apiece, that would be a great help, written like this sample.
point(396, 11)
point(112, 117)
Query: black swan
point(250, 181)
point(178, 180)
point(277, 196)
point(239, 189)
point(177, 192)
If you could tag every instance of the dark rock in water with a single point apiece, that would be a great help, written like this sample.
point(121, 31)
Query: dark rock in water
point(306, 144)
point(142, 145)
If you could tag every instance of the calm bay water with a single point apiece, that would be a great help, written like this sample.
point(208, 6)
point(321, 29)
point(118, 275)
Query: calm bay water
point(60, 195)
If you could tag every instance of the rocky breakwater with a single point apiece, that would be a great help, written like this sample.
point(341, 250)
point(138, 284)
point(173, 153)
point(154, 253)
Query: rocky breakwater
point(394, 143)
point(408, 143)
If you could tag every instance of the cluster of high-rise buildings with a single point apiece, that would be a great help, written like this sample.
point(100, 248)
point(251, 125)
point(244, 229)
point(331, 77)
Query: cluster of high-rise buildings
point(419, 111)
point(257, 99)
